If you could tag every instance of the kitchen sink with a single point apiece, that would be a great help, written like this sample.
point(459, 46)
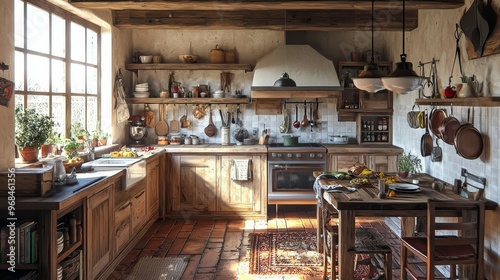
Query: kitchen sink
point(136, 168)
point(120, 162)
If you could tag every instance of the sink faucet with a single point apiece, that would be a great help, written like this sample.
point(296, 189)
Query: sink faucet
point(91, 149)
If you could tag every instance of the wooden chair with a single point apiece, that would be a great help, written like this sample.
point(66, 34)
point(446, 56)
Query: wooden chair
point(465, 246)
point(368, 241)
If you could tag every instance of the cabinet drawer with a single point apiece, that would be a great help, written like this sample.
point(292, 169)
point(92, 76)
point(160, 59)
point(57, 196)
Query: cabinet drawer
point(122, 213)
point(122, 236)
point(138, 210)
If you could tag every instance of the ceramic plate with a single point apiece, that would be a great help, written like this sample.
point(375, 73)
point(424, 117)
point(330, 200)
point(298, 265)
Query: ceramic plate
point(403, 187)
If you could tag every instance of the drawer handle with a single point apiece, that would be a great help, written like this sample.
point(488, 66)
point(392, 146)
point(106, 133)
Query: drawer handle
point(125, 206)
point(139, 195)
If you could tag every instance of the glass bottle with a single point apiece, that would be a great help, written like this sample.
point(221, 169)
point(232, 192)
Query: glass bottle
point(384, 124)
point(379, 125)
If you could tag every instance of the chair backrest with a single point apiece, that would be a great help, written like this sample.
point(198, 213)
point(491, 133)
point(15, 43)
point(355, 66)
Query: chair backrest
point(466, 221)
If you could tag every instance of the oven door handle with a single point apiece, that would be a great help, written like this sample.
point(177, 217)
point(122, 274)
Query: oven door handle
point(285, 166)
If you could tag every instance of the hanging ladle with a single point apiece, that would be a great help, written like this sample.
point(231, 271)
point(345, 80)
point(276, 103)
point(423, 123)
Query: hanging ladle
point(305, 121)
point(296, 123)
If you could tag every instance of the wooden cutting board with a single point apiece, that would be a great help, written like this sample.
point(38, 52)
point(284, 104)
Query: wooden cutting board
point(174, 123)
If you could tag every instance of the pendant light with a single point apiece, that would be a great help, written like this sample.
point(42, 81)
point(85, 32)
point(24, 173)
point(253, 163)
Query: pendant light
point(369, 78)
point(285, 80)
point(403, 80)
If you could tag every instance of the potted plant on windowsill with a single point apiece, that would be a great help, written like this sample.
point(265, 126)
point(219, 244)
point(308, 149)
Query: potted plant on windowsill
point(408, 164)
point(31, 131)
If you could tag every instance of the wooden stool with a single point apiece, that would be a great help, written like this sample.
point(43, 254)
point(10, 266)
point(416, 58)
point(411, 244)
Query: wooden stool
point(369, 241)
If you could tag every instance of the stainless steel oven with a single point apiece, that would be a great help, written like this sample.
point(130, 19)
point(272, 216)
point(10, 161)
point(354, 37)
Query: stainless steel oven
point(290, 172)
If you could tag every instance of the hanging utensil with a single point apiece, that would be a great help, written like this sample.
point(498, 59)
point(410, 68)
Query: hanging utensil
point(296, 123)
point(283, 128)
point(238, 120)
point(437, 152)
point(305, 121)
point(232, 118)
point(174, 123)
point(211, 129)
point(161, 127)
point(149, 116)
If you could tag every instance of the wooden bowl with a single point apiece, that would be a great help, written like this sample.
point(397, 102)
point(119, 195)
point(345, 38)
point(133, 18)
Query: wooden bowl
point(188, 58)
point(69, 166)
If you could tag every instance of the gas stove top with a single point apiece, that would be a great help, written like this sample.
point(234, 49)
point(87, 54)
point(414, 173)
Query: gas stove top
point(299, 145)
point(301, 153)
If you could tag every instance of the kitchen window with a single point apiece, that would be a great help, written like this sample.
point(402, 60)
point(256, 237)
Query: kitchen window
point(57, 64)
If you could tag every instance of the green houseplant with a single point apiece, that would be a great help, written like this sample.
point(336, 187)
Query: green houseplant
point(31, 131)
point(408, 164)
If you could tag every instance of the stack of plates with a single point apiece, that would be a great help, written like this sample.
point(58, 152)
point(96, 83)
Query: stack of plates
point(60, 241)
point(404, 187)
point(141, 90)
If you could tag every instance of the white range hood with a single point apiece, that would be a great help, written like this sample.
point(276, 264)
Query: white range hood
point(313, 73)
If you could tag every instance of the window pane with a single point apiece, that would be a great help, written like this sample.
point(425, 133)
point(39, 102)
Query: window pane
point(59, 113)
point(38, 27)
point(77, 78)
point(78, 110)
point(58, 36)
point(58, 76)
point(91, 80)
point(38, 73)
point(19, 72)
point(91, 113)
point(19, 100)
point(91, 47)
point(40, 103)
point(77, 42)
point(19, 24)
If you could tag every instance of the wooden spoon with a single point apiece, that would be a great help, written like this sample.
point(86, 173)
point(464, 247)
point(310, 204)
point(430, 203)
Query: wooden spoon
point(305, 121)
point(211, 129)
point(174, 123)
point(183, 119)
point(161, 127)
point(296, 123)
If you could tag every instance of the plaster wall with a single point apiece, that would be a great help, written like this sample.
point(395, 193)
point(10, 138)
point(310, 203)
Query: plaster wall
point(434, 38)
point(7, 147)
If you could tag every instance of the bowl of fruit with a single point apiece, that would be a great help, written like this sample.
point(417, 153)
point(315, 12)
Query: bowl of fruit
point(75, 162)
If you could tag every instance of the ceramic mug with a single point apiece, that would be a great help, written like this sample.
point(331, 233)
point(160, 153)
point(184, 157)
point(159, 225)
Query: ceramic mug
point(157, 59)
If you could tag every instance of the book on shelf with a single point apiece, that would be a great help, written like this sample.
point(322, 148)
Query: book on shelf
point(24, 247)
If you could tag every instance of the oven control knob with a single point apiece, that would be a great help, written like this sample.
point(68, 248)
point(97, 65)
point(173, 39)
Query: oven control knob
point(298, 155)
point(312, 155)
point(320, 155)
point(276, 155)
point(289, 155)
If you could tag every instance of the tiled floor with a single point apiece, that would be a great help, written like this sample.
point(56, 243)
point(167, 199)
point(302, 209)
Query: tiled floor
point(215, 246)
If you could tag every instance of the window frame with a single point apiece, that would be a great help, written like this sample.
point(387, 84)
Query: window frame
point(69, 18)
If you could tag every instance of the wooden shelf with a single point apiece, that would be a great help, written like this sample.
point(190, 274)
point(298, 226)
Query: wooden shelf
point(471, 101)
point(68, 250)
point(188, 100)
point(187, 66)
point(367, 111)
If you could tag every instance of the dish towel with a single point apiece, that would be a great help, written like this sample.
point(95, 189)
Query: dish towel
point(241, 169)
point(329, 188)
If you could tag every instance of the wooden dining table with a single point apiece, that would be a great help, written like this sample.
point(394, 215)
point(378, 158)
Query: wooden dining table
point(365, 203)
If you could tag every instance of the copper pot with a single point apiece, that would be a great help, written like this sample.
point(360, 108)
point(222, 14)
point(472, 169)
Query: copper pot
point(468, 140)
point(436, 118)
point(448, 128)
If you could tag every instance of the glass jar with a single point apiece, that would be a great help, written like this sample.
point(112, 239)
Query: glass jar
point(379, 125)
point(384, 124)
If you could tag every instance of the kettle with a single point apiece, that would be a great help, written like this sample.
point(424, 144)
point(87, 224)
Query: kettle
point(59, 177)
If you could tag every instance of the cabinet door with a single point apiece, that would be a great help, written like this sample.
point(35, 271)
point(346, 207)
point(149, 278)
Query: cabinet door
point(123, 228)
point(100, 230)
point(152, 187)
point(239, 195)
point(382, 163)
point(343, 162)
point(138, 201)
point(193, 181)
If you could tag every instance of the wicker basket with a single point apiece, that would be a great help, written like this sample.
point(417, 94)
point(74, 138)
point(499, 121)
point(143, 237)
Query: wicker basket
point(231, 56)
point(71, 265)
point(217, 55)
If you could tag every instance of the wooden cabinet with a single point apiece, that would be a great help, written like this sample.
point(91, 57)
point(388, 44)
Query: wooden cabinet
point(237, 195)
point(138, 206)
point(152, 186)
point(376, 157)
point(201, 186)
point(192, 184)
point(99, 231)
point(374, 129)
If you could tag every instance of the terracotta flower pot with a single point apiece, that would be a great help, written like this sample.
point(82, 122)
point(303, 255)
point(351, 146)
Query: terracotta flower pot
point(46, 149)
point(29, 154)
point(403, 174)
point(103, 142)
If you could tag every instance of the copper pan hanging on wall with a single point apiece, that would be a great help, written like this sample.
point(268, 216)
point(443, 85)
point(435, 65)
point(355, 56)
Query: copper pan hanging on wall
point(468, 140)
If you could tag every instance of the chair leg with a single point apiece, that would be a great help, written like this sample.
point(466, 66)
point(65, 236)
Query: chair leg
point(388, 266)
point(404, 256)
point(453, 271)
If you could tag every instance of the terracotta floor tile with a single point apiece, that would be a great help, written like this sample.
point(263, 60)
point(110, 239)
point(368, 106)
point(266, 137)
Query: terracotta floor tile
point(214, 247)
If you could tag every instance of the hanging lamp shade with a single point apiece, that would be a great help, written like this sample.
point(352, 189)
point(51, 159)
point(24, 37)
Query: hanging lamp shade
point(403, 79)
point(369, 78)
point(285, 81)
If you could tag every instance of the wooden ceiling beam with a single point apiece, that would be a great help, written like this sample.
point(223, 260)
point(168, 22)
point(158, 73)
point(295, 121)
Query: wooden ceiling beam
point(318, 20)
point(263, 5)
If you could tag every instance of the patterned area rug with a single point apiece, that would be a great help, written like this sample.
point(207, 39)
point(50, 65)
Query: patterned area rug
point(289, 253)
point(159, 269)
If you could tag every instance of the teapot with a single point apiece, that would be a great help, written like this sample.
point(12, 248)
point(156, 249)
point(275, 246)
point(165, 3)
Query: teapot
point(59, 177)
